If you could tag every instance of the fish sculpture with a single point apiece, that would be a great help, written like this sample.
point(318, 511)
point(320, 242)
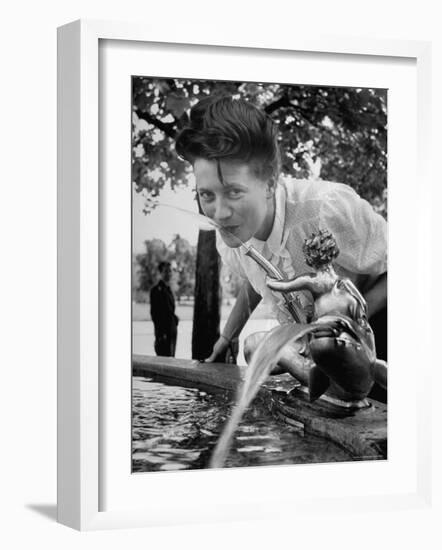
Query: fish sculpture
point(340, 341)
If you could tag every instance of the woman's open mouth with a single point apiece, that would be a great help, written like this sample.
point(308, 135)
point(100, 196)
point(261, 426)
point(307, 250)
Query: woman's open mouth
point(233, 229)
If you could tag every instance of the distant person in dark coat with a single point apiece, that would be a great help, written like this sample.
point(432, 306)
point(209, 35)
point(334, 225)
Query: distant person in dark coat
point(162, 312)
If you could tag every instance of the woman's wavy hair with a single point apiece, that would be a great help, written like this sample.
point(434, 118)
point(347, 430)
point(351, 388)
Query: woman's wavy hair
point(225, 128)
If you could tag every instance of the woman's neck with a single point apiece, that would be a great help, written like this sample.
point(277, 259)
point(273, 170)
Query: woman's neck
point(265, 230)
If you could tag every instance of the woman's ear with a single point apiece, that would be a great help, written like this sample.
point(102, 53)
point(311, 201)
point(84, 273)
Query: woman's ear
point(270, 187)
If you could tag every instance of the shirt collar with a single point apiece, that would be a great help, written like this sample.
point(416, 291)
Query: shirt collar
point(275, 238)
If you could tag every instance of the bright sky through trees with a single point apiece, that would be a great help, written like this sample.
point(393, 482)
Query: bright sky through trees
point(163, 223)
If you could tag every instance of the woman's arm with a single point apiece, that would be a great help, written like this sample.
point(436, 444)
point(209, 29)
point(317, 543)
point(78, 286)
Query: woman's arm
point(376, 295)
point(245, 304)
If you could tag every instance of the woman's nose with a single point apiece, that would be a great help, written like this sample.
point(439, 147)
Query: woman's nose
point(222, 211)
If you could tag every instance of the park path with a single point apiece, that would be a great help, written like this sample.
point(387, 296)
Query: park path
point(143, 336)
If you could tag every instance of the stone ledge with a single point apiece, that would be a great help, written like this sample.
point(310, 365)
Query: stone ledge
point(362, 433)
point(187, 371)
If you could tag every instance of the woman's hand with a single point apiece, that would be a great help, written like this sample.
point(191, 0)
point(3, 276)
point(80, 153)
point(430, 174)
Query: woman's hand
point(224, 351)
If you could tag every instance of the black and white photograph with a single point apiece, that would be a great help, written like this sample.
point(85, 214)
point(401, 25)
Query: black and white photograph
point(198, 226)
point(259, 274)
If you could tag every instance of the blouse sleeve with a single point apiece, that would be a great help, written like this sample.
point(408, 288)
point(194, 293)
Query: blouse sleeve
point(360, 232)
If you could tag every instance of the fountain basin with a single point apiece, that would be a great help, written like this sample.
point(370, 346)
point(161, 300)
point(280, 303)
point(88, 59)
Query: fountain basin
point(334, 436)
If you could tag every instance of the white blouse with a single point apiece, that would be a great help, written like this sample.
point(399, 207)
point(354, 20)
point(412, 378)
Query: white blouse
point(303, 207)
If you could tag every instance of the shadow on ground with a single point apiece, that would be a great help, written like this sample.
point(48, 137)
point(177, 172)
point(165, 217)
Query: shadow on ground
point(49, 511)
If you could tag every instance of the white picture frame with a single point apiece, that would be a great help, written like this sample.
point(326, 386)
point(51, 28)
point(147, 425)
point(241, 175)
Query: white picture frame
point(80, 363)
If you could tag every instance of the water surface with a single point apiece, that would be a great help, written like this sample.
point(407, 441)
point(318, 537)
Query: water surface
point(176, 428)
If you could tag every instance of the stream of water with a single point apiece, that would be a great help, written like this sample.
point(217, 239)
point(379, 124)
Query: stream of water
point(177, 428)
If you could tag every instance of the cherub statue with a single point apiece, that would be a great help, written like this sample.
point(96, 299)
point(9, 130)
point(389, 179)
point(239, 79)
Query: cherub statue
point(334, 353)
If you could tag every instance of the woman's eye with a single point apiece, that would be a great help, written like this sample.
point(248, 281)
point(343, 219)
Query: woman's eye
point(234, 194)
point(205, 196)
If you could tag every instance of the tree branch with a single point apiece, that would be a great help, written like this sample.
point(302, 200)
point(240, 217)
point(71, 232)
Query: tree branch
point(167, 127)
point(283, 101)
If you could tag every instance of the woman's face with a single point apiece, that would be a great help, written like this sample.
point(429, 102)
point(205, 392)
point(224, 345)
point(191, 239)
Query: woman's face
point(242, 203)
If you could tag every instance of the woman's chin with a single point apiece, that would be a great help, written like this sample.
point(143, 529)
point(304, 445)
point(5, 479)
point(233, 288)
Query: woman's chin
point(230, 240)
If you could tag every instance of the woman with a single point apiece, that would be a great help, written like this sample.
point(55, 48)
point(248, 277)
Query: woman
point(233, 148)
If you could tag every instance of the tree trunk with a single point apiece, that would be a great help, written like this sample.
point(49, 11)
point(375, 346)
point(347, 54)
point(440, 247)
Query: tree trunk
point(206, 312)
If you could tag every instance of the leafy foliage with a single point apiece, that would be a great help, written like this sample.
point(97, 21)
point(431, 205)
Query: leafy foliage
point(337, 134)
point(147, 264)
point(182, 256)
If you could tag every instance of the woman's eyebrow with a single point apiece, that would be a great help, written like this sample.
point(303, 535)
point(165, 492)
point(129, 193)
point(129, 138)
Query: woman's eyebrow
point(230, 184)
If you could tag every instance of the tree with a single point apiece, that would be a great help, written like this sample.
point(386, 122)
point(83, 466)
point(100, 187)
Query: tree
point(206, 313)
point(344, 128)
point(156, 252)
point(338, 134)
point(183, 254)
point(180, 253)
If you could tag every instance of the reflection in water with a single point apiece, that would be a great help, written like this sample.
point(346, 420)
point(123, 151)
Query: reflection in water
point(176, 428)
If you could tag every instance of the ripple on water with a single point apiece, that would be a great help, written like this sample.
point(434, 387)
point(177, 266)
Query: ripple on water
point(176, 428)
